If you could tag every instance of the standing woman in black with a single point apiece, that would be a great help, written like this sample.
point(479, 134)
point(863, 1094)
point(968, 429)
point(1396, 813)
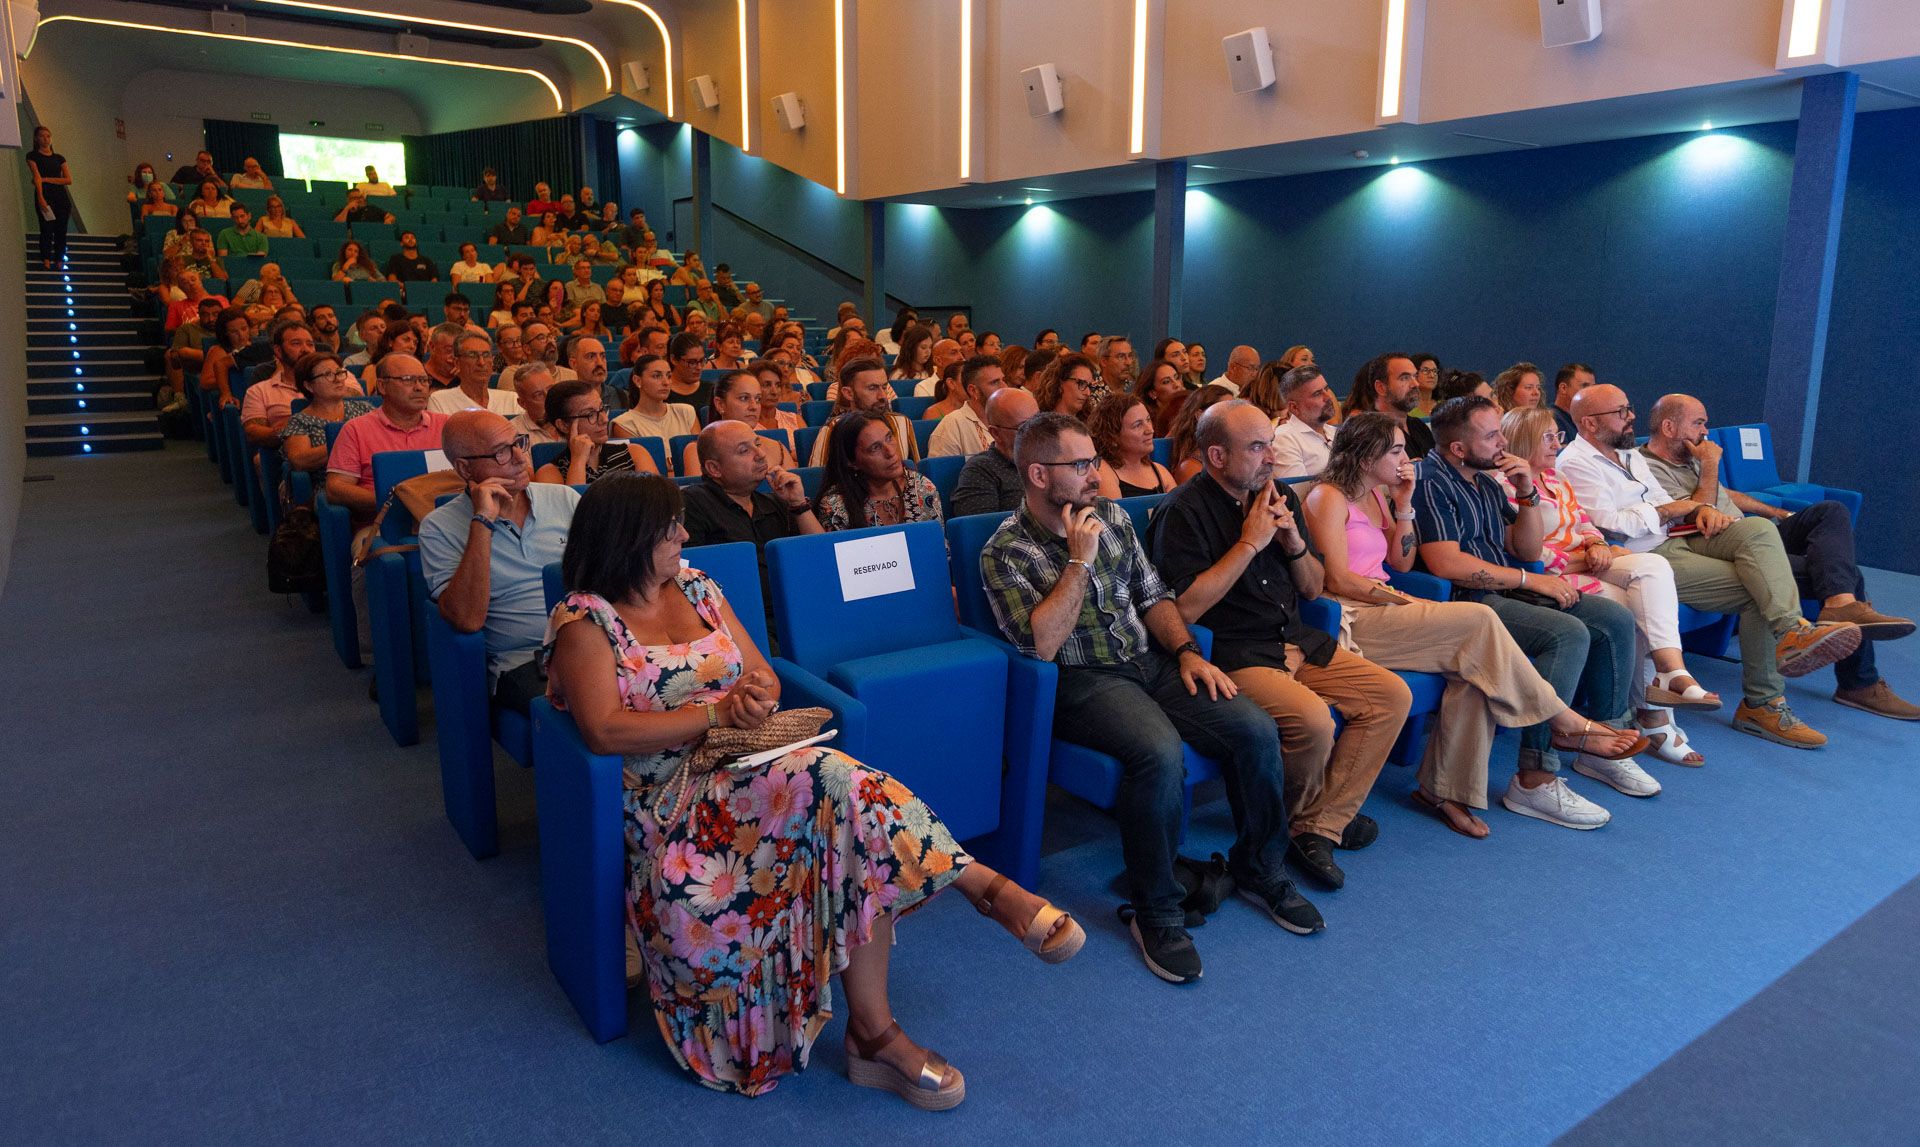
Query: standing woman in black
point(50, 181)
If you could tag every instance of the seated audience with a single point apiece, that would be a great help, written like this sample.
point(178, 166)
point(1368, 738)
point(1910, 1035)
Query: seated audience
point(179, 241)
point(276, 223)
point(143, 177)
point(500, 315)
point(395, 338)
point(252, 176)
point(622, 568)
point(1389, 384)
point(367, 329)
point(210, 202)
point(1196, 373)
point(1069, 583)
point(1470, 535)
point(1517, 386)
point(737, 398)
point(729, 349)
point(409, 264)
point(443, 365)
point(867, 483)
point(1573, 548)
point(864, 387)
point(944, 353)
point(1122, 433)
point(401, 422)
point(201, 257)
point(221, 337)
point(1296, 355)
point(1568, 381)
point(270, 291)
point(1232, 549)
point(469, 269)
point(1065, 386)
point(1184, 448)
point(774, 390)
point(654, 414)
point(964, 431)
point(374, 185)
point(582, 288)
point(1818, 540)
point(1264, 392)
point(332, 395)
point(193, 295)
point(530, 389)
point(1719, 564)
point(325, 322)
point(268, 403)
point(687, 356)
point(511, 231)
point(239, 237)
point(579, 418)
point(990, 483)
point(1303, 439)
point(359, 210)
point(1460, 384)
point(1426, 376)
point(1013, 366)
point(1159, 389)
point(953, 395)
point(156, 203)
point(354, 265)
point(484, 553)
point(728, 505)
point(473, 358)
point(1242, 364)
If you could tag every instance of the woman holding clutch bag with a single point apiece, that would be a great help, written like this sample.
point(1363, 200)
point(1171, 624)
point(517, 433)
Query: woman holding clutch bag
point(748, 889)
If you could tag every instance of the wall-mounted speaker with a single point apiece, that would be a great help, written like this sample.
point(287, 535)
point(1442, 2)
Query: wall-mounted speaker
point(1564, 22)
point(789, 111)
point(1249, 60)
point(704, 92)
point(408, 44)
point(637, 77)
point(1043, 89)
point(26, 17)
point(227, 23)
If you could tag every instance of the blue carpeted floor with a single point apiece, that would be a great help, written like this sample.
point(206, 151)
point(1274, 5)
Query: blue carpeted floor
point(231, 910)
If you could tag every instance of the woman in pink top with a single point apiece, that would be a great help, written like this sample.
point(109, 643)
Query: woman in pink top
point(1361, 517)
point(1575, 549)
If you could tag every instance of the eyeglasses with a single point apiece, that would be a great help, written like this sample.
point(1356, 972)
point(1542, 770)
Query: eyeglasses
point(1080, 465)
point(475, 355)
point(407, 379)
point(1626, 410)
point(1553, 437)
point(695, 361)
point(503, 453)
point(334, 375)
point(509, 342)
point(595, 415)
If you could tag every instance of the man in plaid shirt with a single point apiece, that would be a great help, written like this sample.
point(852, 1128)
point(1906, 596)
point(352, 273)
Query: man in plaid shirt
point(1070, 584)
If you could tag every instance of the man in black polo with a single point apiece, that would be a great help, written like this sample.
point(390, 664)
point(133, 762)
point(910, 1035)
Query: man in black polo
point(1390, 384)
point(409, 264)
point(511, 232)
point(1230, 546)
point(727, 506)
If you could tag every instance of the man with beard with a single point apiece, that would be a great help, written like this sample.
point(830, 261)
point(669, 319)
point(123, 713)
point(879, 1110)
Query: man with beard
point(1301, 443)
point(1069, 583)
point(1471, 535)
point(1229, 543)
point(484, 552)
point(325, 322)
point(1390, 384)
point(1719, 563)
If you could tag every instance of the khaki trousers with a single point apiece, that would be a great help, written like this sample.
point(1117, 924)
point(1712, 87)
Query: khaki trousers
point(1742, 569)
point(1489, 683)
point(1328, 777)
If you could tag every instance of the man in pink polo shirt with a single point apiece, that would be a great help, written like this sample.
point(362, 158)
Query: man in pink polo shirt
point(401, 422)
point(267, 404)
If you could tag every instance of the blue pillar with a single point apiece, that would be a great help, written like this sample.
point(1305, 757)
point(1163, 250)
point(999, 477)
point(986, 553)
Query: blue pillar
point(703, 197)
point(1169, 251)
point(874, 227)
point(590, 174)
point(1804, 298)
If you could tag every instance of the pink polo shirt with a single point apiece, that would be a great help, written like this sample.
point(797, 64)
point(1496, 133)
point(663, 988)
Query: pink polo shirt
point(372, 433)
point(269, 400)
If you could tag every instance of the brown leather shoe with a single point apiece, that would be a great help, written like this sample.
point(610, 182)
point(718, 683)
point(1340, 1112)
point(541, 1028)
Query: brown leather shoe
point(1880, 700)
point(1775, 722)
point(1874, 625)
point(1806, 647)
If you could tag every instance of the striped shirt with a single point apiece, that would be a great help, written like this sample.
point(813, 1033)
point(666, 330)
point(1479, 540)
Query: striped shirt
point(1024, 560)
point(1448, 508)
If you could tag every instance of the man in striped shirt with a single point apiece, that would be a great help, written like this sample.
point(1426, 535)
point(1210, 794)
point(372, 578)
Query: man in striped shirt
point(1069, 583)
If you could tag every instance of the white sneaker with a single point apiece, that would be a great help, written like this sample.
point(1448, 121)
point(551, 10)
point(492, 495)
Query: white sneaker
point(1625, 776)
point(1554, 803)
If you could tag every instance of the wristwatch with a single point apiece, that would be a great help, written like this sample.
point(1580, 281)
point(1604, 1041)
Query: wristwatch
point(1190, 647)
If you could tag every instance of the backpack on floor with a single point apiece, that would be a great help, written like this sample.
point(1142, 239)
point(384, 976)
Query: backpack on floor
point(294, 563)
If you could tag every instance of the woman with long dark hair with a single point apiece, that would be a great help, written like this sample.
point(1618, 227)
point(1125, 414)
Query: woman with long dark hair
point(51, 178)
point(868, 482)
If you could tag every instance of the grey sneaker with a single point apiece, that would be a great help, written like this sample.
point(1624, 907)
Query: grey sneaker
point(1623, 776)
point(1554, 803)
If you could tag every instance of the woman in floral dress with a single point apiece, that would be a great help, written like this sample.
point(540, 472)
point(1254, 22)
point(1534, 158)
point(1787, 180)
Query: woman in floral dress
point(772, 879)
point(867, 482)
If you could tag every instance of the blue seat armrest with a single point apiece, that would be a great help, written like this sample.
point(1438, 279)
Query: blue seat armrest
point(391, 626)
point(1014, 848)
point(462, 730)
point(801, 688)
point(1421, 585)
point(336, 545)
point(1323, 613)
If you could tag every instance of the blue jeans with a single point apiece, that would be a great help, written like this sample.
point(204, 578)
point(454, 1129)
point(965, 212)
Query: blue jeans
point(1587, 651)
point(1139, 712)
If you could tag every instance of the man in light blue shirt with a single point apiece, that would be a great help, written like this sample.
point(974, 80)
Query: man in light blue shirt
point(484, 553)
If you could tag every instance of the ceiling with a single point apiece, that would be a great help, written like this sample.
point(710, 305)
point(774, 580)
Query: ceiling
point(1892, 84)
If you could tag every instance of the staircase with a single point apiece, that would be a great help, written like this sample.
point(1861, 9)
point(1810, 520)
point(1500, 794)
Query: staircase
point(88, 388)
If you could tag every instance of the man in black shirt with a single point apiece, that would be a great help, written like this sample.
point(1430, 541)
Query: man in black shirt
point(990, 483)
point(510, 232)
point(358, 210)
point(614, 314)
point(728, 506)
point(1389, 383)
point(1230, 546)
point(200, 171)
point(408, 265)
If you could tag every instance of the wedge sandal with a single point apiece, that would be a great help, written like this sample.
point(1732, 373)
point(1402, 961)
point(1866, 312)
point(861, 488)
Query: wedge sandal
point(929, 1090)
point(1067, 943)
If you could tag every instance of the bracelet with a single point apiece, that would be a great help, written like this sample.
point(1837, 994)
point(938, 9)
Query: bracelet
point(490, 523)
point(1531, 498)
point(713, 715)
point(1085, 565)
point(1523, 580)
point(1246, 543)
point(1296, 557)
point(1403, 516)
point(1191, 646)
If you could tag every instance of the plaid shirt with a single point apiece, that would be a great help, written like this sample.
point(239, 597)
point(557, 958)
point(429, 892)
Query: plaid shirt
point(1024, 560)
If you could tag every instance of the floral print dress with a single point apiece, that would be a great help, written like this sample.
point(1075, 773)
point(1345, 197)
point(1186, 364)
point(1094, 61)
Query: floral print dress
point(747, 906)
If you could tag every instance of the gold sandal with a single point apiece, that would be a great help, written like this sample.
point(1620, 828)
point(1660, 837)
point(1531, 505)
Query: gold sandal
point(1040, 929)
point(929, 1091)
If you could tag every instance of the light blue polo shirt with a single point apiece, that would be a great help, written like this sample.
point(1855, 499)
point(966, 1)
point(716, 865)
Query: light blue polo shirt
point(517, 603)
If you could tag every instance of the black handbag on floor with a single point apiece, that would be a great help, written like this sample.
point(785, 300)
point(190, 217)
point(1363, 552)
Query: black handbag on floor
point(294, 564)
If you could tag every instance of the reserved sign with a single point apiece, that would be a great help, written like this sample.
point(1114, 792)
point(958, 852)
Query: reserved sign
point(873, 567)
point(1750, 448)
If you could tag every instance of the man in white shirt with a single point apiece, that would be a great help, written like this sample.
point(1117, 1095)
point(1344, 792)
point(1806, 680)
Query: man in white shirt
point(530, 386)
point(652, 415)
point(944, 352)
point(965, 430)
point(1242, 365)
point(473, 362)
point(1301, 443)
point(864, 383)
point(1719, 564)
point(537, 339)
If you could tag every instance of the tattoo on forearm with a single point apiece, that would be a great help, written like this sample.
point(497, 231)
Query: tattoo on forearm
point(1406, 543)
point(1480, 579)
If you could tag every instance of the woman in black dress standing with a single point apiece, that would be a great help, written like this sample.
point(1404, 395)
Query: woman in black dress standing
point(50, 182)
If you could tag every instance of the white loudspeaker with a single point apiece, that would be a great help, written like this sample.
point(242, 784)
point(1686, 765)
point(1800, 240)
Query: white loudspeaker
point(704, 92)
point(1249, 60)
point(1043, 89)
point(408, 44)
point(26, 17)
point(227, 23)
point(789, 111)
point(1564, 22)
point(637, 77)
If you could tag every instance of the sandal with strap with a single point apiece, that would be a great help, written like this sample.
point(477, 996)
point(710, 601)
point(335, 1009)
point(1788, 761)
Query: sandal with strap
point(929, 1091)
point(1673, 746)
point(1661, 693)
point(1068, 941)
point(1439, 809)
point(1579, 743)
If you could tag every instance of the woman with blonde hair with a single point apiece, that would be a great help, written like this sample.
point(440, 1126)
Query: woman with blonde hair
point(1517, 386)
point(1576, 550)
point(275, 223)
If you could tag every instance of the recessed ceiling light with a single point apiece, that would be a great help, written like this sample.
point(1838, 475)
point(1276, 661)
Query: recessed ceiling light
point(1706, 125)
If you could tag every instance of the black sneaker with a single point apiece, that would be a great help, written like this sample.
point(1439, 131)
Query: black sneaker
point(1169, 952)
point(1362, 830)
point(1288, 908)
point(1313, 855)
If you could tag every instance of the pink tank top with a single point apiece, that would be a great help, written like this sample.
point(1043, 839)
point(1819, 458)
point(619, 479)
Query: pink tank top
point(1366, 543)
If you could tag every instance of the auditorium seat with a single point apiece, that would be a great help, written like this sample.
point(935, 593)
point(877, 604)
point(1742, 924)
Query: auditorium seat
point(1748, 465)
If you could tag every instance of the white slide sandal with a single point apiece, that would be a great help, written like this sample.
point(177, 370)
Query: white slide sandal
point(1692, 697)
